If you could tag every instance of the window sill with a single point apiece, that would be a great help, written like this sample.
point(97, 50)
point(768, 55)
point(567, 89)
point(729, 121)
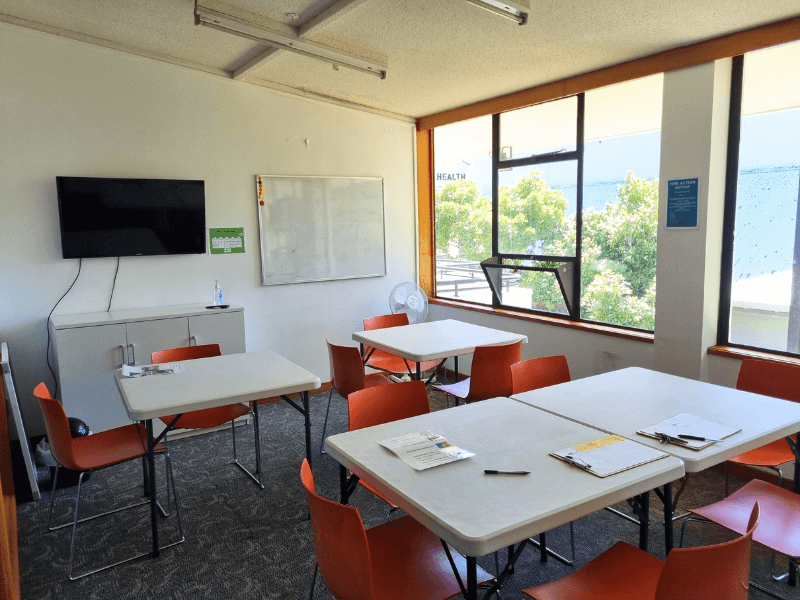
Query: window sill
point(741, 353)
point(637, 336)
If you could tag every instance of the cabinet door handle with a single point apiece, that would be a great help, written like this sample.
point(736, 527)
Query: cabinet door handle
point(124, 357)
point(193, 340)
point(132, 355)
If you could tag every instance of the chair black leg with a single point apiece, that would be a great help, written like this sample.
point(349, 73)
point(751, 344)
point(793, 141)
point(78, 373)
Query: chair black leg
point(325, 426)
point(313, 581)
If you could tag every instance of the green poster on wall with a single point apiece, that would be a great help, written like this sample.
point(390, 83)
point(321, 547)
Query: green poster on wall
point(226, 240)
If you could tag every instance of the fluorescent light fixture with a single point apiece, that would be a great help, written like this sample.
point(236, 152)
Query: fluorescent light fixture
point(509, 10)
point(271, 37)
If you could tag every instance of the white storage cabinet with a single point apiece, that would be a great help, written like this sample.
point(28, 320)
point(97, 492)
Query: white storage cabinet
point(88, 347)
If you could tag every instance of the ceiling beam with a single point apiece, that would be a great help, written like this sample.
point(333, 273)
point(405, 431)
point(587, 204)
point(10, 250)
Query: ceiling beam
point(315, 24)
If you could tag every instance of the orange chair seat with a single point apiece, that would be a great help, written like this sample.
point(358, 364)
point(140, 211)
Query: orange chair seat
point(779, 527)
point(405, 546)
point(374, 379)
point(396, 364)
point(773, 454)
point(209, 417)
point(368, 487)
point(623, 572)
point(460, 388)
point(109, 448)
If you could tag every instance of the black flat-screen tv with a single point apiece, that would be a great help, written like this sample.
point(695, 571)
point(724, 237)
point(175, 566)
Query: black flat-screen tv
point(130, 217)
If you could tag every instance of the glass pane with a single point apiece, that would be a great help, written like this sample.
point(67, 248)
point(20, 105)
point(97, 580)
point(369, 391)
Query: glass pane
point(622, 154)
point(537, 209)
point(539, 129)
point(763, 312)
point(538, 290)
point(463, 208)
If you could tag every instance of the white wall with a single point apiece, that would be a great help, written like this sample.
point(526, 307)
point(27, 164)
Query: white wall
point(587, 353)
point(68, 108)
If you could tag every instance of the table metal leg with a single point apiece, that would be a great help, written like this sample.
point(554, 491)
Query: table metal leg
point(347, 484)
point(643, 512)
point(151, 481)
point(419, 373)
point(472, 578)
point(307, 410)
point(669, 533)
point(257, 434)
point(455, 375)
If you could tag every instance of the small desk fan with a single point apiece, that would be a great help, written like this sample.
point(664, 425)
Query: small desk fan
point(409, 298)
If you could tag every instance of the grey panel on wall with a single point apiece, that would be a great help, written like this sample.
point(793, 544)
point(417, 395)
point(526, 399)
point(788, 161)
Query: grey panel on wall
point(320, 228)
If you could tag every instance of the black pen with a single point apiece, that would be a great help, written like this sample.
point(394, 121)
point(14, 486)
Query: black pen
point(495, 472)
point(665, 437)
point(696, 438)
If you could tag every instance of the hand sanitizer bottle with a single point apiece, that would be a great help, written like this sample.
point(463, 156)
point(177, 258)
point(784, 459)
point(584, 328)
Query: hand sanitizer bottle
point(217, 294)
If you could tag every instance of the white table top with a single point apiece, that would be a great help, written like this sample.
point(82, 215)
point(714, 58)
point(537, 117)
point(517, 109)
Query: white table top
point(477, 513)
point(435, 339)
point(210, 382)
point(628, 400)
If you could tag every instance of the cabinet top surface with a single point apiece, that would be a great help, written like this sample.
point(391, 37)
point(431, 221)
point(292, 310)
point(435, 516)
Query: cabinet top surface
point(136, 314)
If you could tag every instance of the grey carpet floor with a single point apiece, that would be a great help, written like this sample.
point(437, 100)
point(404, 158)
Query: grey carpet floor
point(242, 542)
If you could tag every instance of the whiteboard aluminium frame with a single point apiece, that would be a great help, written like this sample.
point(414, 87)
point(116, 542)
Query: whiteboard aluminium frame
point(259, 196)
point(13, 405)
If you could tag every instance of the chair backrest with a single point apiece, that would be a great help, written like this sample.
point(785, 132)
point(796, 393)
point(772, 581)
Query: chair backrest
point(185, 353)
point(340, 544)
point(57, 427)
point(347, 370)
point(384, 321)
point(490, 375)
point(780, 380)
point(719, 572)
point(537, 373)
point(385, 403)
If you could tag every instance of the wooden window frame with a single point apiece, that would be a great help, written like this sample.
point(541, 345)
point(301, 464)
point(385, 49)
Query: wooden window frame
point(726, 46)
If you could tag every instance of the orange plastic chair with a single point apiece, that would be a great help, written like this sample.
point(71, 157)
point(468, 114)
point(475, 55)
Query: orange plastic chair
point(391, 363)
point(491, 374)
point(530, 375)
point(90, 453)
point(376, 405)
point(779, 380)
point(348, 377)
point(210, 417)
point(399, 560)
point(779, 528)
point(624, 572)
point(537, 373)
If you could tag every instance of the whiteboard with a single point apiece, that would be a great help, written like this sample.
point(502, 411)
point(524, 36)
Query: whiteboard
point(320, 228)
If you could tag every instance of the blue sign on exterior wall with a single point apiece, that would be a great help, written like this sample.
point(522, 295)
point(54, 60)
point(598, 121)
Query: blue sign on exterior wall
point(682, 203)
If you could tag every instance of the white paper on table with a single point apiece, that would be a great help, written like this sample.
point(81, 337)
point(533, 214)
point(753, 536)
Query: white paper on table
point(424, 449)
point(685, 424)
point(163, 369)
point(609, 455)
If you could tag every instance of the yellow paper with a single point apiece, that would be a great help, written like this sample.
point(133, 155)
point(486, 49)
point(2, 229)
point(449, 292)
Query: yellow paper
point(605, 441)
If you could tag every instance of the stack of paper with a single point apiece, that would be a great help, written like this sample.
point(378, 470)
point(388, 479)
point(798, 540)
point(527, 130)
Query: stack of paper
point(424, 449)
point(165, 369)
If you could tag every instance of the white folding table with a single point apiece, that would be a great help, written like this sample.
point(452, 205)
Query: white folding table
point(435, 340)
point(211, 382)
point(478, 513)
point(628, 400)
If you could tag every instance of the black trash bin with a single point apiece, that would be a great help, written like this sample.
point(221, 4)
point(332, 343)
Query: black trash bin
point(68, 477)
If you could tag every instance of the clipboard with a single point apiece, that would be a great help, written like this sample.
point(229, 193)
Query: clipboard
point(608, 455)
point(670, 429)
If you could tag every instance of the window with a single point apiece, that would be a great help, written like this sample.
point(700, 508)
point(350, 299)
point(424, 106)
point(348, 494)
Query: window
point(559, 201)
point(760, 295)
